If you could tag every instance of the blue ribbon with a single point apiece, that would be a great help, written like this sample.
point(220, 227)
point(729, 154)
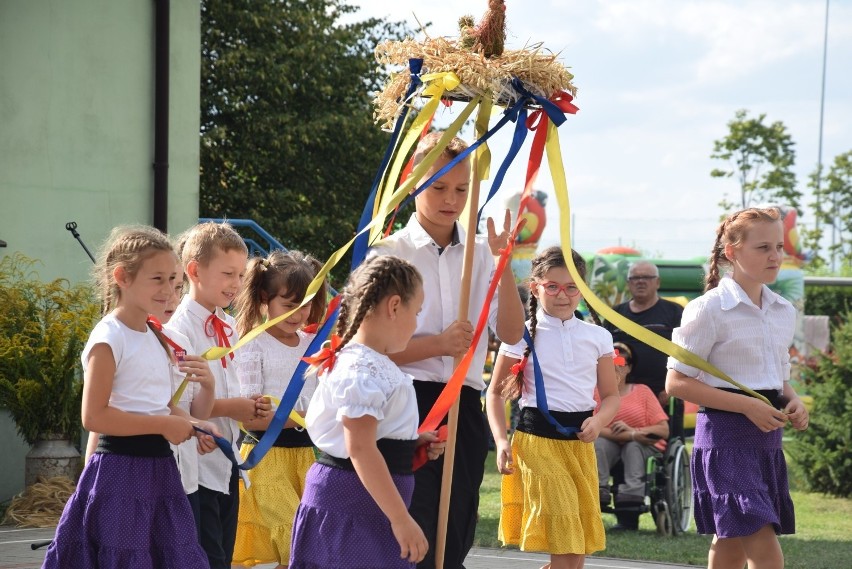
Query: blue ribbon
point(518, 138)
point(359, 251)
point(554, 113)
point(541, 396)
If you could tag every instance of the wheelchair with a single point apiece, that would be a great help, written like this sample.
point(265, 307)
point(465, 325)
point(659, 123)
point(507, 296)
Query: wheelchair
point(668, 489)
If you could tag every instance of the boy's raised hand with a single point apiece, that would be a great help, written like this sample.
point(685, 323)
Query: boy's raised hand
point(497, 241)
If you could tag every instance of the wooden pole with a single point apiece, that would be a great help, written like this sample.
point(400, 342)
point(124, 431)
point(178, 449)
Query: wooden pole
point(453, 418)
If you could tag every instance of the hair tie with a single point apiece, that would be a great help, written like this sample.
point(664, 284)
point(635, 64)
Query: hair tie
point(265, 263)
point(519, 366)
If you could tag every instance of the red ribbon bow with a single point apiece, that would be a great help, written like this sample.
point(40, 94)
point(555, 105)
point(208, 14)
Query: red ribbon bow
point(325, 358)
point(314, 328)
point(618, 359)
point(158, 326)
point(215, 327)
point(519, 366)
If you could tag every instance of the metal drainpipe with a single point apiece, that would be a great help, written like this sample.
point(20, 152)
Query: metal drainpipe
point(161, 114)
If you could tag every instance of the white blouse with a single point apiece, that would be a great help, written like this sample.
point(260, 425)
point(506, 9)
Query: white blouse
point(568, 353)
point(268, 364)
point(362, 382)
point(728, 330)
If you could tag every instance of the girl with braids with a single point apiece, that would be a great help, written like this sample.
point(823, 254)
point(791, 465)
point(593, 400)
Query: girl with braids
point(274, 286)
point(363, 420)
point(129, 508)
point(549, 495)
point(739, 476)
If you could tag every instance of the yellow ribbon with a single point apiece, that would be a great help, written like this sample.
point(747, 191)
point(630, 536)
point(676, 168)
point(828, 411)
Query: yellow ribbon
point(557, 172)
point(215, 353)
point(437, 83)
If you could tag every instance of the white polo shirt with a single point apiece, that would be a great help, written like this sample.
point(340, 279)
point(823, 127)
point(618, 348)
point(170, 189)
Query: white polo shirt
point(214, 468)
point(568, 353)
point(750, 344)
point(442, 272)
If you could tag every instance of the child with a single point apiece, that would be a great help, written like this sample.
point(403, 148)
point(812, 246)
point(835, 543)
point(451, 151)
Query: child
point(363, 419)
point(274, 286)
point(214, 260)
point(739, 476)
point(197, 397)
point(550, 494)
point(129, 508)
point(639, 427)
point(433, 242)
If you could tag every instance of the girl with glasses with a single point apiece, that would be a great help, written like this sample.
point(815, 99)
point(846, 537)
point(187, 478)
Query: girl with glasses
point(549, 493)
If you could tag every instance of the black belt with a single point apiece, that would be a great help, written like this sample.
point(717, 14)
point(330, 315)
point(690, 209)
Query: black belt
point(532, 421)
point(134, 445)
point(398, 454)
point(287, 438)
point(773, 395)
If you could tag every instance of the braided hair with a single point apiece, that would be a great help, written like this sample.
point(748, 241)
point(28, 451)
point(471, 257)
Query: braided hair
point(733, 231)
point(550, 258)
point(374, 280)
point(127, 247)
point(288, 272)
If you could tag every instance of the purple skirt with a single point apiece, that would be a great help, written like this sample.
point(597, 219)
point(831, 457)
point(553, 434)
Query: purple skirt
point(739, 477)
point(338, 524)
point(127, 511)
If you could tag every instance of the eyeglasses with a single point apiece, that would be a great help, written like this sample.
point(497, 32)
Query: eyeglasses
point(552, 289)
point(639, 278)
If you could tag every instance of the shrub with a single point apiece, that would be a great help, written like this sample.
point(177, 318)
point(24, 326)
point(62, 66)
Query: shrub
point(823, 453)
point(43, 327)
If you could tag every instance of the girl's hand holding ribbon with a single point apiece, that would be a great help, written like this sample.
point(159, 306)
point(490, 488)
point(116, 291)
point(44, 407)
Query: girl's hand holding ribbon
point(590, 430)
point(434, 444)
point(797, 413)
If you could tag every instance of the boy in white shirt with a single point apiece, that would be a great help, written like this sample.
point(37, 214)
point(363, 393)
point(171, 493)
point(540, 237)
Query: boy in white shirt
point(433, 242)
point(214, 258)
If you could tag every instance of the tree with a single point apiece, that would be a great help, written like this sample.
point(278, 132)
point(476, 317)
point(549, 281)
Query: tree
point(287, 136)
point(761, 158)
point(832, 207)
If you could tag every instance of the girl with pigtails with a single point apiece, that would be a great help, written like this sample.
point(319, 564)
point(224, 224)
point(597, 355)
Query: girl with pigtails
point(549, 495)
point(274, 286)
point(739, 476)
point(363, 419)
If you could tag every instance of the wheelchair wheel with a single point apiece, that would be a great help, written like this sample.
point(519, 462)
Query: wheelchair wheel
point(678, 490)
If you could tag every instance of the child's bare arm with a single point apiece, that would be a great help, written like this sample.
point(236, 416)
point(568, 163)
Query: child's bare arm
point(453, 342)
point(510, 310)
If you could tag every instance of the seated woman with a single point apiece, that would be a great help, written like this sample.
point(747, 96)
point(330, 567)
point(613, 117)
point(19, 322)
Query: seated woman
point(639, 429)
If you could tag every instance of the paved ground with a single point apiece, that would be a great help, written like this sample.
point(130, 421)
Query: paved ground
point(15, 552)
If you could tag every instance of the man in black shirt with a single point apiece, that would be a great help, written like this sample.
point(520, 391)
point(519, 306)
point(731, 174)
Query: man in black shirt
point(658, 315)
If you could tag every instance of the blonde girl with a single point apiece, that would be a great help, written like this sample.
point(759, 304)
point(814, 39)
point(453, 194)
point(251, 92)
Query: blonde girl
point(129, 508)
point(739, 476)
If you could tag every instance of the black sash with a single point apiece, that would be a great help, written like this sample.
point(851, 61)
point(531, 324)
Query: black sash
point(398, 454)
point(532, 421)
point(287, 438)
point(135, 445)
point(773, 395)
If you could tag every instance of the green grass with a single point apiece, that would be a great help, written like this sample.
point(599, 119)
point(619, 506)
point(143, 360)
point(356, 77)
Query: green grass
point(823, 539)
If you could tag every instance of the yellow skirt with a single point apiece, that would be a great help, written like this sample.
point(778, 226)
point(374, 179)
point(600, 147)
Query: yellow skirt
point(268, 507)
point(550, 502)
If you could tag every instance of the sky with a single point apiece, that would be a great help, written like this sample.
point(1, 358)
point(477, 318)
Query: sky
point(658, 82)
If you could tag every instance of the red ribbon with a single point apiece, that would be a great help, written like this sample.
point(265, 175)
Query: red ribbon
point(325, 358)
point(420, 455)
point(313, 328)
point(519, 367)
point(158, 326)
point(618, 359)
point(215, 327)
